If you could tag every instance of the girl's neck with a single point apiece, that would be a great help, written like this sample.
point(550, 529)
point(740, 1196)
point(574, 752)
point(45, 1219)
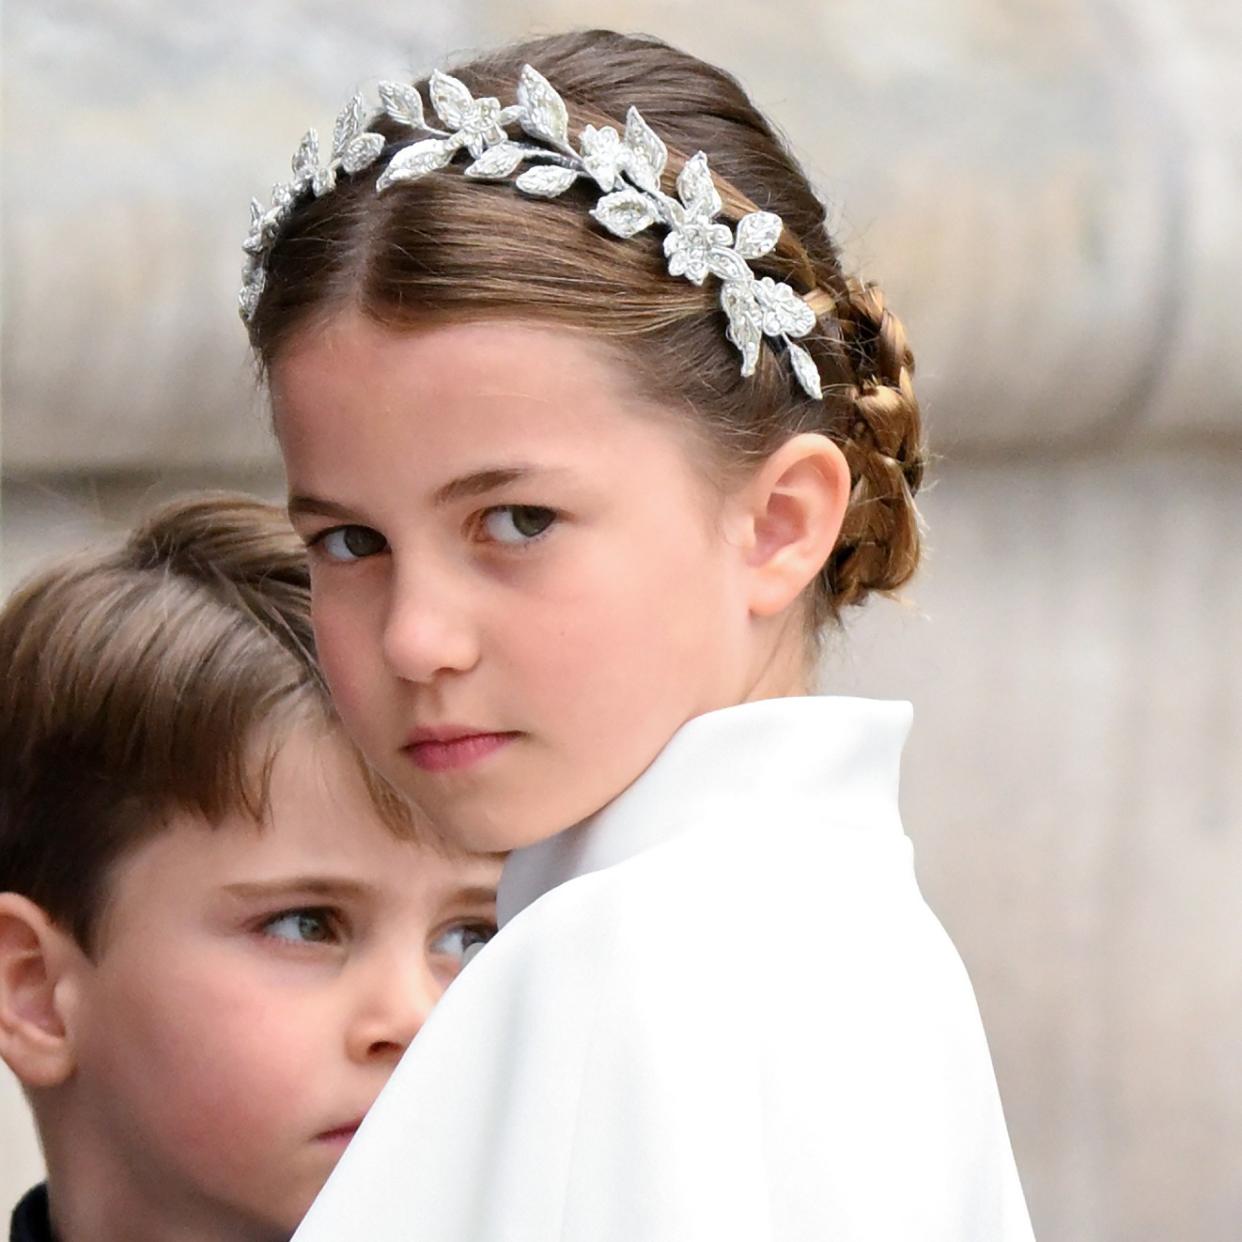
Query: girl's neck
point(783, 671)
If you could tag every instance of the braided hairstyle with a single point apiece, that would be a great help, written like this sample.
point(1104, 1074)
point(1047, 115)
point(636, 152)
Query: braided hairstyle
point(450, 249)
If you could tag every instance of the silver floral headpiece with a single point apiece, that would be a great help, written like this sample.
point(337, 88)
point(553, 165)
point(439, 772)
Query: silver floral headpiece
point(626, 167)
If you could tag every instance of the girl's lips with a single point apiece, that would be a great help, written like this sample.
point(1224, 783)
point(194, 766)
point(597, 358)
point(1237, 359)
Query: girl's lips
point(444, 754)
point(342, 1134)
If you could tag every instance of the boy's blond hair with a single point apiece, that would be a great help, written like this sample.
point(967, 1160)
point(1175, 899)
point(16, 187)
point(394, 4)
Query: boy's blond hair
point(155, 678)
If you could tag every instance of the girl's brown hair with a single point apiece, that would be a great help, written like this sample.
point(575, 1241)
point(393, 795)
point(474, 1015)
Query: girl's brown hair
point(152, 679)
point(451, 249)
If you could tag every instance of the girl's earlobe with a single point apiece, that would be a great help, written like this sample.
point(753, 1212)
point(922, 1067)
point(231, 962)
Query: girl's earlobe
point(797, 501)
point(35, 1039)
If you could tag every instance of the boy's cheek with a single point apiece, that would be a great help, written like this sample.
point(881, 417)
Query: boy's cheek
point(213, 1046)
point(229, 1092)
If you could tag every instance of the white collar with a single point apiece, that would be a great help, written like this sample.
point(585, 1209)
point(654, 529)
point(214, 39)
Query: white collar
point(814, 756)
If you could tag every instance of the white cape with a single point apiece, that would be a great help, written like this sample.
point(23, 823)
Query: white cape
point(718, 1011)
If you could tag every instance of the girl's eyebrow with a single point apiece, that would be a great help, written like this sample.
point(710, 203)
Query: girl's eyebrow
point(476, 483)
point(312, 506)
point(490, 479)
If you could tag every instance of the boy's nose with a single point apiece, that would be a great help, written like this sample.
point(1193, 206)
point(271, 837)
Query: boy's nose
point(396, 1007)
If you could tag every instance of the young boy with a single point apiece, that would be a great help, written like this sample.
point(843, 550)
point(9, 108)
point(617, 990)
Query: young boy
point(218, 933)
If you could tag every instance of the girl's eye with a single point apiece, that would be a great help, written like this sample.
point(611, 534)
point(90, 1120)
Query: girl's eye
point(517, 524)
point(463, 941)
point(350, 543)
point(309, 926)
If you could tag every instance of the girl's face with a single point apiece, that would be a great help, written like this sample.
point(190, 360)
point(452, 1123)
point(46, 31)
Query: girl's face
point(522, 584)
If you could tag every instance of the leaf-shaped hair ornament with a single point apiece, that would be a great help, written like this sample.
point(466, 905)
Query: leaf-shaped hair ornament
point(403, 103)
point(497, 163)
point(544, 114)
point(362, 152)
point(349, 125)
point(757, 234)
point(744, 329)
point(413, 162)
point(645, 151)
point(696, 189)
point(806, 370)
point(546, 181)
point(306, 157)
point(449, 98)
point(625, 212)
point(627, 171)
point(602, 155)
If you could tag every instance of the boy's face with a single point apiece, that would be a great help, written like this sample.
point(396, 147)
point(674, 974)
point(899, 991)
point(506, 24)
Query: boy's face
point(255, 987)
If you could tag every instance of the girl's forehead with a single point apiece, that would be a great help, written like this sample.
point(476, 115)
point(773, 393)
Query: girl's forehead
point(456, 397)
point(456, 362)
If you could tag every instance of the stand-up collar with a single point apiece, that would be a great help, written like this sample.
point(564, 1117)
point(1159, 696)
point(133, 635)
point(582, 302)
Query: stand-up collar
point(812, 759)
point(31, 1220)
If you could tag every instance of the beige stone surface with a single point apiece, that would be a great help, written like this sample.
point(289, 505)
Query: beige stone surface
point(1049, 191)
point(22, 1165)
point(133, 138)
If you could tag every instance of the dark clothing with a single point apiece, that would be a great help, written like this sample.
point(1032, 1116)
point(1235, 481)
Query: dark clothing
point(31, 1221)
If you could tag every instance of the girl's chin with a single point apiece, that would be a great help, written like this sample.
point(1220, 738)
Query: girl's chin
point(494, 824)
point(511, 800)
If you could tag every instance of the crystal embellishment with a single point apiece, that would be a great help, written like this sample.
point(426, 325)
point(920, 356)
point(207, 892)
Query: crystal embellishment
point(627, 169)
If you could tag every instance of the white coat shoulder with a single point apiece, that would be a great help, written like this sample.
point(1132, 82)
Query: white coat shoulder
point(700, 1042)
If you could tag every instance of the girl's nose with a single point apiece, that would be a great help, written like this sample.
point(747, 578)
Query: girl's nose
point(426, 632)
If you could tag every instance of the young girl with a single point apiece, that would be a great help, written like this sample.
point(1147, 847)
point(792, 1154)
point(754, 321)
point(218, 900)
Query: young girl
point(589, 434)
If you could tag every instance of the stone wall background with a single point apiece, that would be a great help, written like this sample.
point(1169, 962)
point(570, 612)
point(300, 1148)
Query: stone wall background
point(1050, 193)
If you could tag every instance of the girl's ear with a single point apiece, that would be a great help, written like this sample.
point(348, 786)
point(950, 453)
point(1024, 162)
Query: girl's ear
point(36, 960)
point(791, 512)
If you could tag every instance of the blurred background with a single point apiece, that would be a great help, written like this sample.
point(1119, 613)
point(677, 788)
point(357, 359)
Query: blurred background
point(1050, 191)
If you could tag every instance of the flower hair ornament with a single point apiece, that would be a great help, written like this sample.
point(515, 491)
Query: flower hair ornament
point(626, 168)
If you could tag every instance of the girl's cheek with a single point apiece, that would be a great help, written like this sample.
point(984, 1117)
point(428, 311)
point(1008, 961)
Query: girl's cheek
point(345, 647)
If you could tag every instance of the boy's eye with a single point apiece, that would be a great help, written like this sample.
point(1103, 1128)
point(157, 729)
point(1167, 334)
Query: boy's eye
point(517, 524)
point(310, 926)
point(463, 941)
point(350, 543)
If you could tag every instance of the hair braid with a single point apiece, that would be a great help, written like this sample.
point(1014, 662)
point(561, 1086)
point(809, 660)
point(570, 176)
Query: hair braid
point(878, 549)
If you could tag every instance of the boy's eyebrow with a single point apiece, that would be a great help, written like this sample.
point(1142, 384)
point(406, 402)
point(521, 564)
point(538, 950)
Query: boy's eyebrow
point(479, 895)
point(316, 885)
point(340, 886)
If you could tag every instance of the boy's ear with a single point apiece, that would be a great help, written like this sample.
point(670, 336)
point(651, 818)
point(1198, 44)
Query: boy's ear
point(35, 986)
point(791, 510)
